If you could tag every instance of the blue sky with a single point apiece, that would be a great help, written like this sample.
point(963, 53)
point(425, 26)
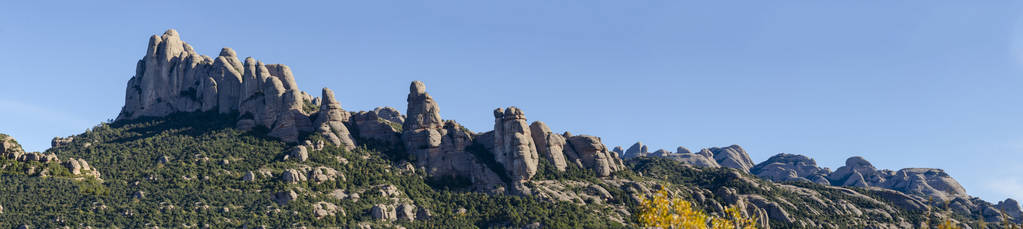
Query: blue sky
point(904, 84)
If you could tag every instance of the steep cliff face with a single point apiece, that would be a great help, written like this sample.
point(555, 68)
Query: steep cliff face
point(172, 77)
point(513, 143)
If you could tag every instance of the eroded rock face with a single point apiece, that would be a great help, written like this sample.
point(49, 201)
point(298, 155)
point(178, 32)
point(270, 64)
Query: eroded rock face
point(548, 144)
point(439, 147)
point(382, 124)
point(172, 77)
point(331, 121)
point(1011, 209)
point(925, 182)
point(732, 157)
point(636, 150)
point(9, 147)
point(788, 167)
point(703, 159)
point(513, 144)
point(594, 155)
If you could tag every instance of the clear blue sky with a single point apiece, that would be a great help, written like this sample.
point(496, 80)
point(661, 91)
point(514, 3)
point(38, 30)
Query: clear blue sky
point(902, 83)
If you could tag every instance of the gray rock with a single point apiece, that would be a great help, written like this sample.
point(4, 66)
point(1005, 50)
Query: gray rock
point(283, 198)
point(698, 160)
point(331, 122)
point(249, 176)
point(298, 153)
point(1011, 209)
point(548, 144)
point(790, 167)
point(322, 174)
point(59, 141)
point(406, 212)
point(293, 176)
point(384, 212)
point(323, 209)
point(681, 150)
point(594, 155)
point(636, 150)
point(513, 144)
point(173, 78)
point(732, 157)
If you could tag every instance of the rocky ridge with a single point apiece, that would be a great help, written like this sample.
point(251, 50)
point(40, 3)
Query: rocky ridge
point(173, 78)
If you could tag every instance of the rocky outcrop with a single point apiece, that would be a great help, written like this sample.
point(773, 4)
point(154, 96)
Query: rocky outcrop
point(283, 198)
point(59, 141)
point(384, 212)
point(703, 159)
point(926, 182)
point(791, 167)
point(172, 77)
point(382, 124)
point(331, 121)
point(513, 144)
point(9, 148)
point(1011, 209)
point(636, 150)
point(931, 183)
point(548, 144)
point(594, 155)
point(732, 157)
point(439, 147)
point(81, 167)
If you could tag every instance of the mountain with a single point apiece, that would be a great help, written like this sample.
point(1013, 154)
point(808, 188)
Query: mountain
point(220, 142)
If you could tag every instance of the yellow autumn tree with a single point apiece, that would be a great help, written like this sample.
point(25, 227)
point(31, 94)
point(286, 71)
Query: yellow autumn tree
point(662, 211)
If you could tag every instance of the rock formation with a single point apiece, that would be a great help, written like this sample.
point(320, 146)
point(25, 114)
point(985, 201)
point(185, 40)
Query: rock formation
point(172, 77)
point(331, 121)
point(636, 150)
point(1011, 209)
point(788, 167)
point(548, 144)
point(382, 124)
point(732, 157)
point(703, 159)
point(932, 183)
point(593, 154)
point(513, 144)
point(438, 146)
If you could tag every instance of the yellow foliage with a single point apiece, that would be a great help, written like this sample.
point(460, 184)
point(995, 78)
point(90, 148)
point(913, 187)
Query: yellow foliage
point(947, 224)
point(664, 212)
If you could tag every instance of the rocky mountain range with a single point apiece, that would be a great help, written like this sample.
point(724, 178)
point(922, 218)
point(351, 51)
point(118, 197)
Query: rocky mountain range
point(294, 159)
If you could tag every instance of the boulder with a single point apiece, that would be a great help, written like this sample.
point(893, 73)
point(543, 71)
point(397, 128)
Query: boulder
point(1011, 209)
point(322, 174)
point(298, 153)
point(698, 160)
point(293, 176)
point(406, 212)
point(732, 157)
point(548, 144)
point(283, 198)
point(59, 141)
point(323, 209)
point(594, 155)
point(791, 167)
point(384, 212)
